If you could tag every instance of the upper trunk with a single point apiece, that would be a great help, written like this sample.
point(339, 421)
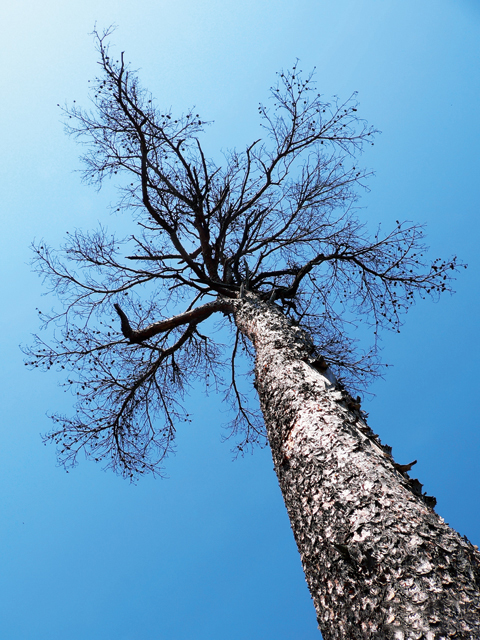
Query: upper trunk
point(379, 562)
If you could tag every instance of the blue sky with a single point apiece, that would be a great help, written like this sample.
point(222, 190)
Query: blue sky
point(209, 552)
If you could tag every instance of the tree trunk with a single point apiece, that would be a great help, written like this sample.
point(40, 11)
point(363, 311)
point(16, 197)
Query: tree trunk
point(378, 560)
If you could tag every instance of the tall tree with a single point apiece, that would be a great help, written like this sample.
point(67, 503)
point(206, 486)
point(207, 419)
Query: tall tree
point(270, 243)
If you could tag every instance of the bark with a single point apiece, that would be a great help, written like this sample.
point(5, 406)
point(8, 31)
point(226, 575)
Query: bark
point(378, 560)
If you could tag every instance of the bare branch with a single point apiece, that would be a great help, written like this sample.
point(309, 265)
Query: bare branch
point(194, 315)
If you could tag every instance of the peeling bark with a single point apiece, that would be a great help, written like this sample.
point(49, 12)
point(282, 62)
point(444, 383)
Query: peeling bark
point(378, 560)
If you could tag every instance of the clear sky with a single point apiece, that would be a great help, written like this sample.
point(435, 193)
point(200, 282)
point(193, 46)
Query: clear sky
point(208, 553)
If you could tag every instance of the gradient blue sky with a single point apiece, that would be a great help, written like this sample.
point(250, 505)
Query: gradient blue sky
point(208, 553)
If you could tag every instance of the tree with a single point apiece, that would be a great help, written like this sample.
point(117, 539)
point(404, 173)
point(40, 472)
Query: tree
point(269, 243)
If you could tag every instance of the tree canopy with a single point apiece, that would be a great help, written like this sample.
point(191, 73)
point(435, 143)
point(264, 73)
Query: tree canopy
point(278, 219)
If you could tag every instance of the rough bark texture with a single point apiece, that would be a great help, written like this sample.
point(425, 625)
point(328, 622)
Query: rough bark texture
point(379, 562)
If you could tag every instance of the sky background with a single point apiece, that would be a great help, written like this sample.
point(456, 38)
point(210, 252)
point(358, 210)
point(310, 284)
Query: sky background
point(208, 553)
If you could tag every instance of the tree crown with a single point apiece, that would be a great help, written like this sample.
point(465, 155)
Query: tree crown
point(277, 219)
